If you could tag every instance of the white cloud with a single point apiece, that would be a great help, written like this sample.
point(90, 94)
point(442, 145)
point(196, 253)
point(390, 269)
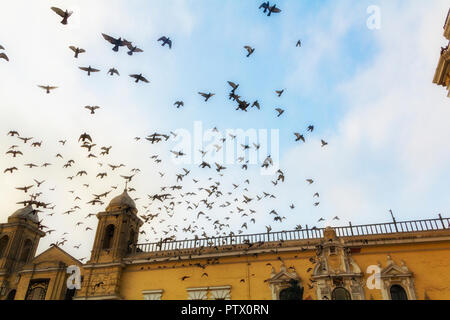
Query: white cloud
point(389, 150)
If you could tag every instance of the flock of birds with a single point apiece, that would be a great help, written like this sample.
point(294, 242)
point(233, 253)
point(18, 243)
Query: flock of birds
point(200, 200)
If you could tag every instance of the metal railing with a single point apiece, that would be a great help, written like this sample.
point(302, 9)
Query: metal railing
point(303, 234)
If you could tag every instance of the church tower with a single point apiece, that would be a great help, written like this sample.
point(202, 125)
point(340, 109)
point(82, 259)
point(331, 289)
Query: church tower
point(117, 234)
point(19, 239)
point(117, 230)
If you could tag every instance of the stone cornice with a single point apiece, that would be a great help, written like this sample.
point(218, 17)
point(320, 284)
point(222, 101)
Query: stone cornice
point(120, 213)
point(22, 224)
point(41, 270)
point(103, 265)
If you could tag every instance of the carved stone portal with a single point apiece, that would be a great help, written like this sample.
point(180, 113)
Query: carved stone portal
point(336, 275)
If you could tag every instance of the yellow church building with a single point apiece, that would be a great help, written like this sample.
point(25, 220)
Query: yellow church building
point(406, 260)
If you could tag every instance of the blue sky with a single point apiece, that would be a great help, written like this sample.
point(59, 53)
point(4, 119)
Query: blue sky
point(369, 93)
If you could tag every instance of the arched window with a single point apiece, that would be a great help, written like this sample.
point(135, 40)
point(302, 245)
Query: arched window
point(11, 295)
point(26, 250)
point(341, 294)
point(3, 244)
point(398, 293)
point(109, 235)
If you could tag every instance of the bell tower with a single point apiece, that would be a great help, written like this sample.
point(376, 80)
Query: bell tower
point(19, 239)
point(117, 230)
point(117, 233)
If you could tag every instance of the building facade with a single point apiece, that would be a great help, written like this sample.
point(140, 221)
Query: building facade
point(442, 75)
point(397, 260)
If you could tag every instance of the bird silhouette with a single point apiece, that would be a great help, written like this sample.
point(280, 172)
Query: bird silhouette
point(113, 71)
point(77, 51)
point(116, 42)
point(207, 96)
point(280, 112)
point(85, 137)
point(4, 56)
point(92, 108)
point(63, 14)
point(299, 137)
point(179, 104)
point(11, 170)
point(47, 88)
point(273, 9)
point(166, 40)
point(139, 77)
point(133, 49)
point(14, 153)
point(89, 70)
point(250, 50)
point(25, 189)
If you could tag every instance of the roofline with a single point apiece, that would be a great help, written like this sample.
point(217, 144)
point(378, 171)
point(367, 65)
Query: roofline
point(55, 246)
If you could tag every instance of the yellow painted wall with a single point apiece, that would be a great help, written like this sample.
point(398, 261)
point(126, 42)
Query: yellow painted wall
point(430, 263)
point(229, 271)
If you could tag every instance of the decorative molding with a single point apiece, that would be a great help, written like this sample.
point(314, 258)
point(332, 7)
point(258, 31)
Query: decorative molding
point(152, 294)
point(280, 280)
point(393, 274)
point(104, 265)
point(198, 293)
point(215, 293)
point(220, 293)
point(42, 270)
point(336, 268)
